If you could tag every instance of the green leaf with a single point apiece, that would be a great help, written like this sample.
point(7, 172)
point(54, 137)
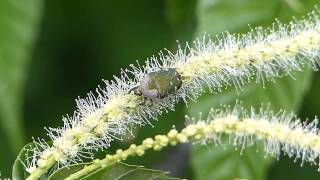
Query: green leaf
point(67, 171)
point(18, 170)
point(216, 16)
point(18, 25)
point(118, 171)
point(226, 163)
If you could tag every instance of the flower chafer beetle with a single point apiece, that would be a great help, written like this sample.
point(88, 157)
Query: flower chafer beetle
point(159, 84)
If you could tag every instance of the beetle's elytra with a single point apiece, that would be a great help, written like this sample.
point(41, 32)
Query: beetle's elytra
point(159, 84)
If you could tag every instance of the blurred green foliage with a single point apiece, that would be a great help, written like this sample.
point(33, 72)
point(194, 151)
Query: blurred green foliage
point(18, 31)
point(53, 51)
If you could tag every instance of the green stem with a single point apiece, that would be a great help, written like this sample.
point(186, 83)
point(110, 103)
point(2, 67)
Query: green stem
point(89, 169)
point(37, 173)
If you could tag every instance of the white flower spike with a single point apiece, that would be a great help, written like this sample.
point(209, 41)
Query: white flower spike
point(279, 133)
point(232, 60)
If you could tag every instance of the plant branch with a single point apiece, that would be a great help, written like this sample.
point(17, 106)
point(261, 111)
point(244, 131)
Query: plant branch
point(279, 132)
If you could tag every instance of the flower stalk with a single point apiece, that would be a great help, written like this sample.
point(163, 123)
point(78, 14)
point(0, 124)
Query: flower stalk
point(277, 131)
point(234, 60)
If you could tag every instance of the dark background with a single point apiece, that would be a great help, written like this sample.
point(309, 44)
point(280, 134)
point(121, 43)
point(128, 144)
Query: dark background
point(53, 51)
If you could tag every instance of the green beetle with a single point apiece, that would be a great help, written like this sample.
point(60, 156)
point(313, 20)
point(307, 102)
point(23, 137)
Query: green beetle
point(159, 84)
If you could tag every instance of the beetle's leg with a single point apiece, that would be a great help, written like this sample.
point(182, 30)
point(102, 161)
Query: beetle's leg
point(136, 90)
point(148, 101)
point(161, 95)
point(144, 101)
point(179, 78)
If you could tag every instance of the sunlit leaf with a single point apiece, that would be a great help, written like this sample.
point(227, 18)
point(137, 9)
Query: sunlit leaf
point(119, 171)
